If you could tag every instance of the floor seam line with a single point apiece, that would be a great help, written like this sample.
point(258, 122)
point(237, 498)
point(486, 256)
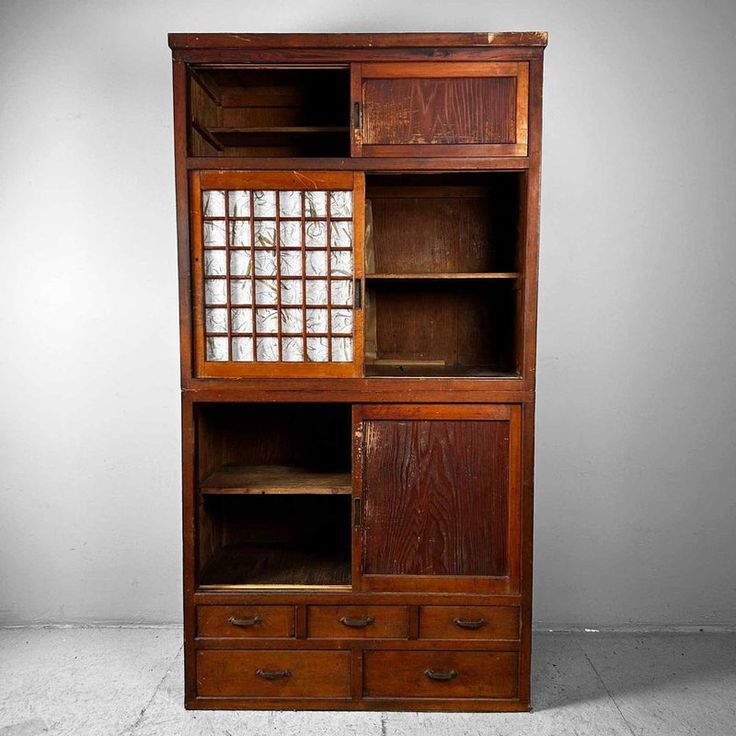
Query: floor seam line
point(130, 729)
point(605, 687)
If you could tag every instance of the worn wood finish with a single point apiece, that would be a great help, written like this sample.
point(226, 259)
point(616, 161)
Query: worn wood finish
point(245, 621)
point(469, 622)
point(440, 674)
point(463, 327)
point(446, 326)
point(352, 40)
point(432, 107)
point(273, 674)
point(443, 224)
point(357, 622)
point(439, 491)
point(267, 479)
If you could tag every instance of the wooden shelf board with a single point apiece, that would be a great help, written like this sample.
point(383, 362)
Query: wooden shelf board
point(432, 369)
point(439, 276)
point(274, 565)
point(285, 130)
point(275, 479)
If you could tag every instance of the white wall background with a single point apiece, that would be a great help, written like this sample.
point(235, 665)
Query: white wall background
point(636, 463)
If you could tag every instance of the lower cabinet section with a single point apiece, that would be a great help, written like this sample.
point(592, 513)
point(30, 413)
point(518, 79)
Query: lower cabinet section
point(440, 674)
point(273, 674)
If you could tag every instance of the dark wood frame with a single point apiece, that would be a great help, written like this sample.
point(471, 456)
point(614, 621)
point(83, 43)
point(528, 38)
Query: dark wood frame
point(513, 395)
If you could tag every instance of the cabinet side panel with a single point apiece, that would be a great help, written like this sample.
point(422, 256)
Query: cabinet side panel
point(436, 498)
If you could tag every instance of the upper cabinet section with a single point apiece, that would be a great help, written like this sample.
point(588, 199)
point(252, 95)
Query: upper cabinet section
point(358, 97)
point(441, 109)
point(269, 111)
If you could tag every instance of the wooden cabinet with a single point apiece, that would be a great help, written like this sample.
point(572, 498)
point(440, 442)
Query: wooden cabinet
point(358, 247)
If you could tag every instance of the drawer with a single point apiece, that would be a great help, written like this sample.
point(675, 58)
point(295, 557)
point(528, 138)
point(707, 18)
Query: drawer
point(437, 674)
point(273, 674)
point(245, 621)
point(357, 622)
point(469, 622)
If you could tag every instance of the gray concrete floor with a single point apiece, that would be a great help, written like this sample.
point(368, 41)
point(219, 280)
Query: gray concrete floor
point(129, 681)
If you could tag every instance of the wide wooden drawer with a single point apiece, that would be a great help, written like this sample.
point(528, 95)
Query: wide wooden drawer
point(468, 622)
point(361, 622)
point(273, 674)
point(245, 621)
point(437, 674)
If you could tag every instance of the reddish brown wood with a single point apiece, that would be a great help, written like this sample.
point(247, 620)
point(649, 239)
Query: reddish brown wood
point(273, 674)
point(469, 622)
point(449, 350)
point(357, 622)
point(245, 621)
point(352, 40)
point(453, 107)
point(440, 674)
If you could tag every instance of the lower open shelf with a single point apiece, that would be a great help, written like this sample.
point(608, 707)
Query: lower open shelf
point(261, 565)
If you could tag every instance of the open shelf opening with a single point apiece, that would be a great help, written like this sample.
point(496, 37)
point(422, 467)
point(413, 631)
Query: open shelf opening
point(274, 541)
point(443, 273)
point(443, 224)
point(269, 112)
point(274, 494)
point(441, 328)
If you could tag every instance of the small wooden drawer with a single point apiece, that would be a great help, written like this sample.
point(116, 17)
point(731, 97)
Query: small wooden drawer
point(357, 622)
point(245, 621)
point(437, 674)
point(469, 622)
point(273, 674)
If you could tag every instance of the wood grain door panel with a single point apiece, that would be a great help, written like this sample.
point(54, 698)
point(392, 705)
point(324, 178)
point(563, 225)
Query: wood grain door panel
point(443, 109)
point(439, 494)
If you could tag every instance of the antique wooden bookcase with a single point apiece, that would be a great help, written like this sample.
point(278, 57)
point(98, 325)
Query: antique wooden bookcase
point(358, 236)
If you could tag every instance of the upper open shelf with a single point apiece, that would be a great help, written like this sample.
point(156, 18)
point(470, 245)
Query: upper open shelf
point(272, 112)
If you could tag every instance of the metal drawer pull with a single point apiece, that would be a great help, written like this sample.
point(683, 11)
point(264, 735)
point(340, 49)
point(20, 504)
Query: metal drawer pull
point(479, 624)
point(356, 623)
point(244, 621)
point(273, 674)
point(442, 676)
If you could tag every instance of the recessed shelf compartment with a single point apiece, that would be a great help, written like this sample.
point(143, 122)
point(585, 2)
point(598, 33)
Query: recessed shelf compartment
point(274, 494)
point(443, 274)
point(274, 541)
point(269, 112)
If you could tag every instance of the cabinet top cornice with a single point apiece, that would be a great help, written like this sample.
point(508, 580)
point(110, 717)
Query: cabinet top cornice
point(353, 40)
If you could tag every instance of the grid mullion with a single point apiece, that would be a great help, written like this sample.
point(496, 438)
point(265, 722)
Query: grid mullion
point(228, 316)
point(304, 273)
point(277, 244)
point(328, 209)
point(252, 224)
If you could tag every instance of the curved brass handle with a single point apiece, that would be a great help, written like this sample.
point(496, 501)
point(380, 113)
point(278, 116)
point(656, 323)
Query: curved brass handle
point(273, 674)
point(442, 676)
point(479, 624)
point(356, 623)
point(244, 621)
